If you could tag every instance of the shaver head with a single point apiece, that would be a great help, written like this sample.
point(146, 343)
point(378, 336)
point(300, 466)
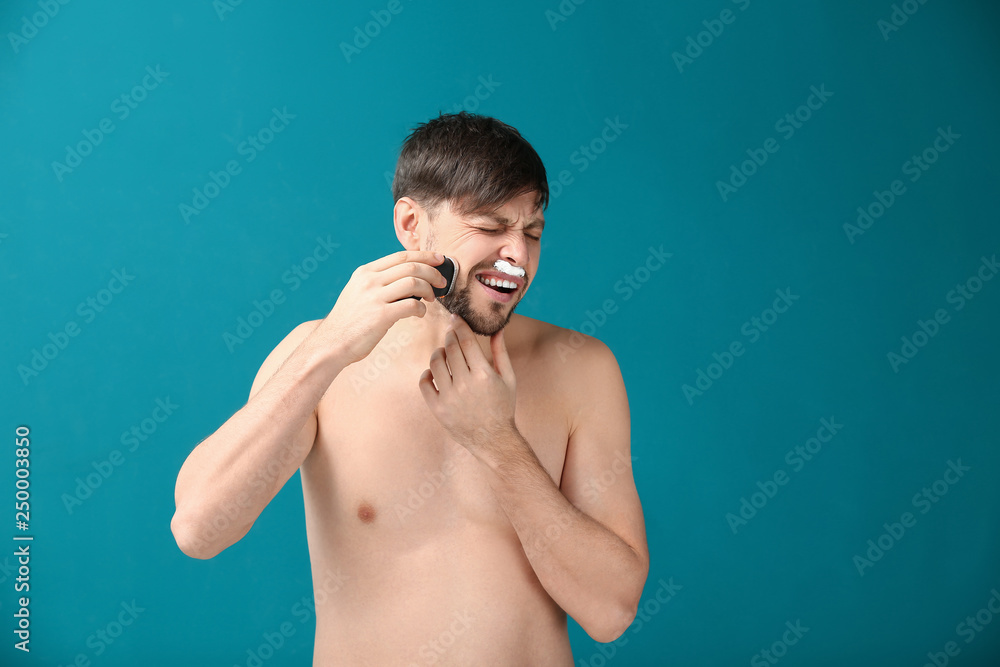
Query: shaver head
point(448, 269)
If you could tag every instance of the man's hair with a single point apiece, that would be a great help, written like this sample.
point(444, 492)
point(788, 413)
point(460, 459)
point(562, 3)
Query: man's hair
point(476, 163)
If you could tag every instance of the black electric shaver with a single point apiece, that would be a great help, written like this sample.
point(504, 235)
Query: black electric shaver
point(448, 269)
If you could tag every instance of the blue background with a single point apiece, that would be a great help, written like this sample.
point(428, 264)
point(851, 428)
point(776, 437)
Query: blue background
point(558, 81)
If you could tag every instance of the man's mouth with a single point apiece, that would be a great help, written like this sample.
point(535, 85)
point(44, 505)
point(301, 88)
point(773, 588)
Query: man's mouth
point(504, 286)
point(498, 286)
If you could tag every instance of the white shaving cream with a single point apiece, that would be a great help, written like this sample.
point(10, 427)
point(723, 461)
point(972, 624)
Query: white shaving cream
point(505, 267)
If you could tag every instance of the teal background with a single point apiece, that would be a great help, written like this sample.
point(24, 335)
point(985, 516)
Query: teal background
point(324, 176)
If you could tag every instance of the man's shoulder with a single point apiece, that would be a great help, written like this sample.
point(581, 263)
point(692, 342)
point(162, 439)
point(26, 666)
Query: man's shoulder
point(574, 353)
point(578, 371)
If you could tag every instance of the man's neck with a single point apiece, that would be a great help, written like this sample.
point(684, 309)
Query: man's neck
point(420, 336)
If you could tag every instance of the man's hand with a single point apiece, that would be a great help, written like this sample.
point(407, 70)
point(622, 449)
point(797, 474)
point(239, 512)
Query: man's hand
point(474, 400)
point(375, 298)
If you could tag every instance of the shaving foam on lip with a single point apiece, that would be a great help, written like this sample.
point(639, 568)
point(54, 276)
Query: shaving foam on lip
point(505, 267)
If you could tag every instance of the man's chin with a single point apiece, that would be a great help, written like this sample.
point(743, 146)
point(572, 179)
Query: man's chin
point(484, 319)
point(486, 326)
point(484, 323)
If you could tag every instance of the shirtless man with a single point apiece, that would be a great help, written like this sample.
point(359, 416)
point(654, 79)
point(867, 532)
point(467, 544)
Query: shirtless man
point(467, 479)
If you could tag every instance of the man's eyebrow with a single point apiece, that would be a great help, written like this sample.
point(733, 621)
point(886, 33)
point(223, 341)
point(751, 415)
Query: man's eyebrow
point(507, 222)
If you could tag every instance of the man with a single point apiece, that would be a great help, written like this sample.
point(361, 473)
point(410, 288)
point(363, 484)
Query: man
point(466, 485)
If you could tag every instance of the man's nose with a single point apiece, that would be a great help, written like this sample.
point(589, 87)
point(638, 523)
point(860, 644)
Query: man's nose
point(515, 249)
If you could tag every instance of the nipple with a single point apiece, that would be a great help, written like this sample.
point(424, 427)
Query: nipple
point(366, 512)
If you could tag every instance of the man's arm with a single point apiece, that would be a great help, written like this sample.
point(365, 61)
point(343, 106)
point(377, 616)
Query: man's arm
point(586, 541)
point(233, 474)
point(230, 477)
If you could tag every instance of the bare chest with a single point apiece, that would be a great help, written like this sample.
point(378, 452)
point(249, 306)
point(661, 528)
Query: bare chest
point(382, 459)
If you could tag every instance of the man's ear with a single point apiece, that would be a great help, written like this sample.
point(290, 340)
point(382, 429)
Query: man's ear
point(406, 217)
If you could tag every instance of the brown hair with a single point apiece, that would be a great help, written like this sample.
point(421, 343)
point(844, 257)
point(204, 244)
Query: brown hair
point(474, 162)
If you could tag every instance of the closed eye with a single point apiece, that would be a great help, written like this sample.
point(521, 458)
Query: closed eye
point(501, 229)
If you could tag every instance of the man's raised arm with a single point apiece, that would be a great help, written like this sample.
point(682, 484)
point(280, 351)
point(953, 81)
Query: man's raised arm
point(231, 476)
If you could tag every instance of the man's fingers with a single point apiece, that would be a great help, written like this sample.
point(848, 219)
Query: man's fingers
point(410, 286)
point(456, 353)
point(425, 256)
point(439, 369)
point(414, 269)
point(473, 354)
point(427, 387)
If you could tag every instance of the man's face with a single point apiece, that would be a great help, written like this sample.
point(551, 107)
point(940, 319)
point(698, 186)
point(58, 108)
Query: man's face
point(512, 234)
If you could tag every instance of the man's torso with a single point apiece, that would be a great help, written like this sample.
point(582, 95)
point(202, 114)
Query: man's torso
point(426, 567)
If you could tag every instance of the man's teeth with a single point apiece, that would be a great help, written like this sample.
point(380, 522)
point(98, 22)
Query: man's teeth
point(493, 282)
